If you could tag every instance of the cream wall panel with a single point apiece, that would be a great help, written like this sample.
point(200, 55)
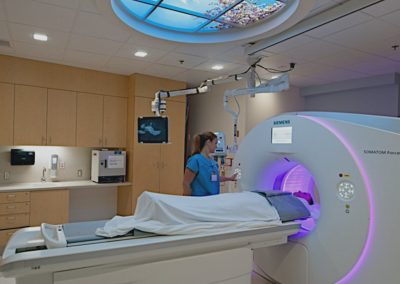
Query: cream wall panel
point(61, 118)
point(6, 114)
point(30, 115)
point(89, 120)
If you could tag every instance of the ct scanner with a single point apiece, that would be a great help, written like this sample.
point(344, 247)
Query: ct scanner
point(349, 164)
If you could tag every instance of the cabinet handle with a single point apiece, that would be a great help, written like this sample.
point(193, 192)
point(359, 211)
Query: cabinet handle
point(11, 218)
point(11, 207)
point(11, 196)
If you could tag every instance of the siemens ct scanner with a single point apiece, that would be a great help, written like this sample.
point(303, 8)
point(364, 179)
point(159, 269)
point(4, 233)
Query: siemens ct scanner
point(346, 165)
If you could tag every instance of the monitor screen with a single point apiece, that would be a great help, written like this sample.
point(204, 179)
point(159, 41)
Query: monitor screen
point(153, 129)
point(281, 135)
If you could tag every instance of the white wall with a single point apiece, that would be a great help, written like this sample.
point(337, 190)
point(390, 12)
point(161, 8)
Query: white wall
point(377, 95)
point(85, 204)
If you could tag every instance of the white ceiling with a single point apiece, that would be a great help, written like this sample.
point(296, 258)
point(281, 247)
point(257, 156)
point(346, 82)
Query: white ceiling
point(81, 34)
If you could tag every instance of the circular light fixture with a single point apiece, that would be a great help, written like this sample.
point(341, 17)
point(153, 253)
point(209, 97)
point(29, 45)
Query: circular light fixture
point(140, 53)
point(209, 21)
point(217, 67)
point(40, 37)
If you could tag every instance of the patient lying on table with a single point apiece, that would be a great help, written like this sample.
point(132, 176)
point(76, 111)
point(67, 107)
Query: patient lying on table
point(172, 215)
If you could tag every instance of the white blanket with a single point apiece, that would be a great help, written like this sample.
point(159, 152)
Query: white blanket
point(172, 215)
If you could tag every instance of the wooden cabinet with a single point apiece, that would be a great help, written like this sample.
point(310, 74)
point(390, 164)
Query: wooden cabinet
point(61, 118)
point(6, 114)
point(114, 123)
point(30, 115)
point(22, 209)
point(101, 121)
point(153, 167)
point(14, 213)
point(89, 132)
point(49, 206)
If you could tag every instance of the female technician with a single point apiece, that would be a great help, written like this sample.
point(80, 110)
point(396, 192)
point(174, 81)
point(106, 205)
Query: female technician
point(201, 174)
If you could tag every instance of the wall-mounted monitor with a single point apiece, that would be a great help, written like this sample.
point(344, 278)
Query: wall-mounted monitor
point(152, 129)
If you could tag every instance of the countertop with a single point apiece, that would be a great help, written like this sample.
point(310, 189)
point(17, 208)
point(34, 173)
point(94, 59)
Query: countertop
point(32, 186)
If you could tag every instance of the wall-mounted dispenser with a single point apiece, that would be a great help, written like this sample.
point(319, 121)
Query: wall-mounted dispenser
point(53, 166)
point(20, 157)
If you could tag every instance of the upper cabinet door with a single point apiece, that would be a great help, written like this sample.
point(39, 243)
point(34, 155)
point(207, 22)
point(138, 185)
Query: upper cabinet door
point(6, 114)
point(30, 115)
point(89, 120)
point(61, 118)
point(115, 121)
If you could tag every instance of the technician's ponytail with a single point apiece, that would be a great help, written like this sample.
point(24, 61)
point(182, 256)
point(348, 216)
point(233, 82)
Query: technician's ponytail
point(200, 140)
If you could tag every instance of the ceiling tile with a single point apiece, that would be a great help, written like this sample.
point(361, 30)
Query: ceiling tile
point(38, 51)
point(280, 62)
point(364, 34)
point(25, 33)
point(344, 59)
point(376, 65)
point(236, 55)
point(95, 45)
point(126, 66)
point(385, 48)
point(39, 14)
point(89, 6)
point(204, 50)
point(382, 8)
point(142, 39)
point(290, 44)
point(153, 54)
point(228, 66)
point(339, 25)
point(3, 31)
point(314, 50)
point(71, 4)
point(164, 71)
point(81, 57)
point(2, 13)
point(98, 26)
point(393, 18)
point(174, 59)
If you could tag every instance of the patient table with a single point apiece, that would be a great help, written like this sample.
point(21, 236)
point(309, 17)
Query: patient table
point(139, 257)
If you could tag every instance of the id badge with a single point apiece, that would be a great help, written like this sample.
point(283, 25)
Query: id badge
point(214, 177)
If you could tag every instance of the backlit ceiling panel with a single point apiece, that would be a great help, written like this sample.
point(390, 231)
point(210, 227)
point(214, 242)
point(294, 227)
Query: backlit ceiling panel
point(202, 16)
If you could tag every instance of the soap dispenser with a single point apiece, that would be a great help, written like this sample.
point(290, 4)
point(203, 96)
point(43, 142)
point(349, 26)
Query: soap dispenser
point(53, 166)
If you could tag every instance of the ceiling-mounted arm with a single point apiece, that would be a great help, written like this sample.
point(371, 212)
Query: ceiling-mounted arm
point(271, 86)
point(158, 105)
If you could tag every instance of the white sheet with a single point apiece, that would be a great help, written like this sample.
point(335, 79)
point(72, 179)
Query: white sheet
point(172, 215)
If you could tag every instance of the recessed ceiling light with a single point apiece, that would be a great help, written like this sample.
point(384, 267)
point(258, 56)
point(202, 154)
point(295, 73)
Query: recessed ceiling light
point(217, 67)
point(140, 53)
point(40, 37)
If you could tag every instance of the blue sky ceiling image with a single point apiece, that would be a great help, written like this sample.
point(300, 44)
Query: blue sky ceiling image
point(202, 16)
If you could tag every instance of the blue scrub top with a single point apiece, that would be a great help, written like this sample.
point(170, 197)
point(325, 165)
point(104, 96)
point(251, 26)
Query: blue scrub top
point(202, 184)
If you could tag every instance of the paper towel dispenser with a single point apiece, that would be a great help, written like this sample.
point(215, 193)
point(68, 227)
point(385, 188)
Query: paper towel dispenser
point(22, 158)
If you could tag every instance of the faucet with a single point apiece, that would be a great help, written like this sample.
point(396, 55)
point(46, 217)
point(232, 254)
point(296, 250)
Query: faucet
point(43, 178)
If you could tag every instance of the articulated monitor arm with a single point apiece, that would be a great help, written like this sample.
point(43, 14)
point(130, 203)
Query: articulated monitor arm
point(272, 86)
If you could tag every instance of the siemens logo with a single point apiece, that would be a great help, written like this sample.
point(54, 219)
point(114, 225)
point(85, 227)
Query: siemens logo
point(281, 122)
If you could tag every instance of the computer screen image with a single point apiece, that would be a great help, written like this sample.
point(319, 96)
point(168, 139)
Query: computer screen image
point(152, 130)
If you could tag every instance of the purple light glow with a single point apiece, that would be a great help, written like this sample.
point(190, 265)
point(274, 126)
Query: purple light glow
point(361, 260)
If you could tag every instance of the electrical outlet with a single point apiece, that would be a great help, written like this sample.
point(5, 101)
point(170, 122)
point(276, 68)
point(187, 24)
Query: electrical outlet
point(6, 175)
point(62, 165)
point(79, 172)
